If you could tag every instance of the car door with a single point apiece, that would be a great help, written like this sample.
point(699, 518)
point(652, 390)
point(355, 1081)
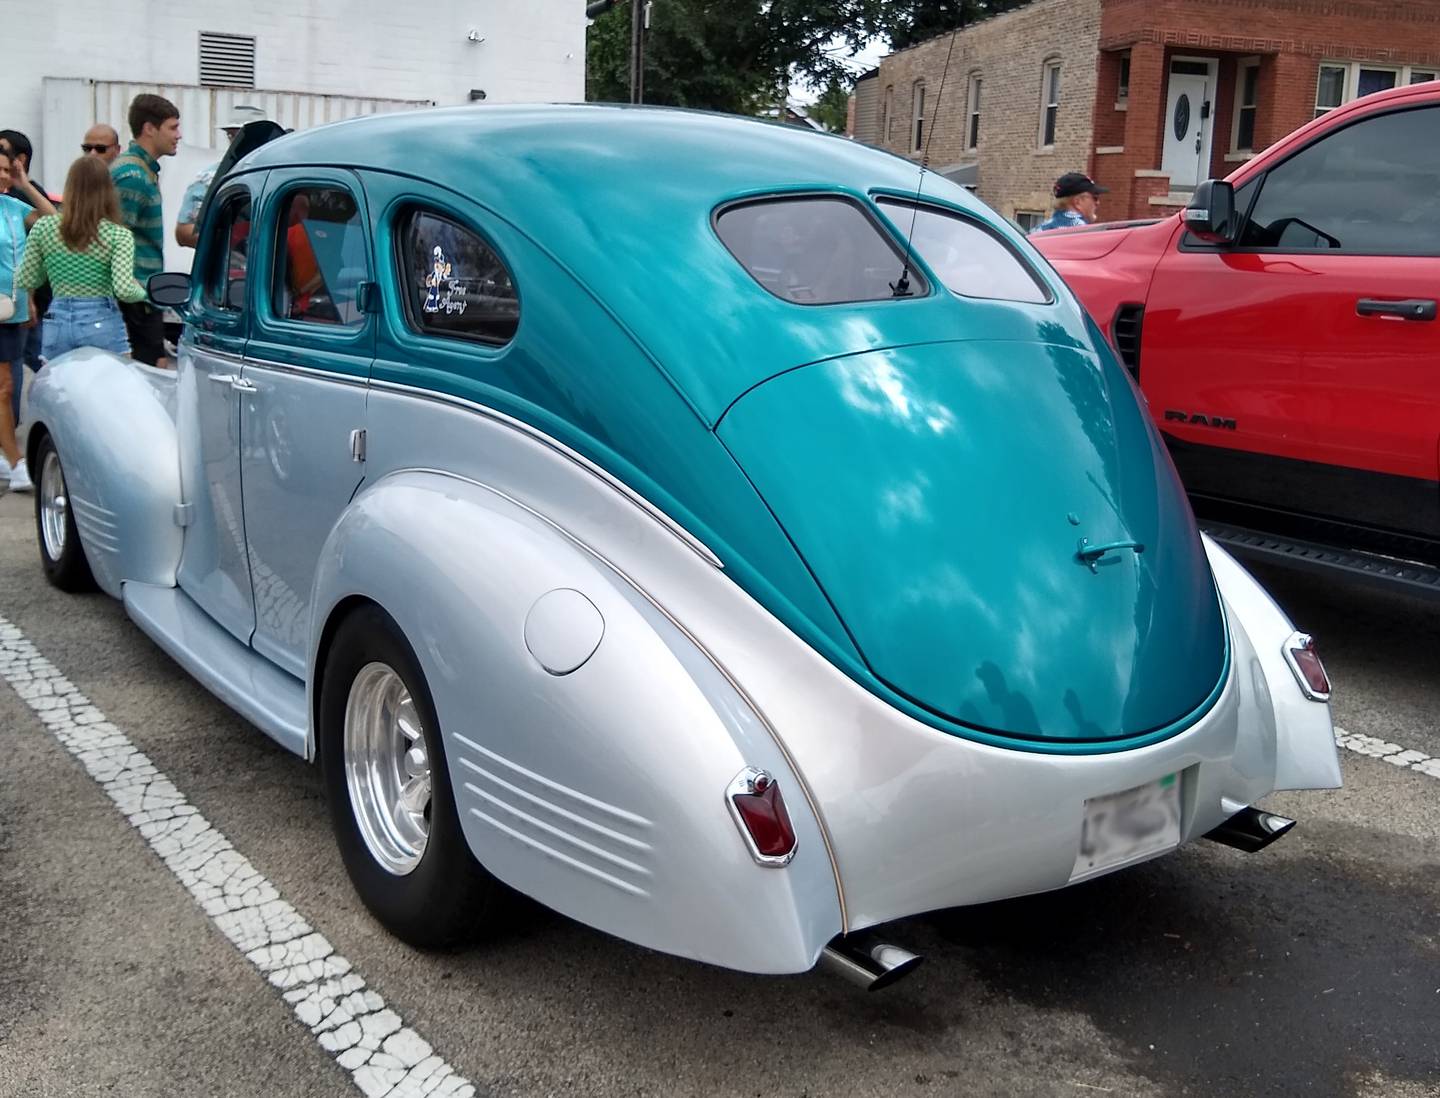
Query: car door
point(214, 570)
point(302, 423)
point(1300, 368)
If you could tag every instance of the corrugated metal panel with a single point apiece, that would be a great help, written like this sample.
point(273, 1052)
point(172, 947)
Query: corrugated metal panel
point(227, 60)
point(71, 106)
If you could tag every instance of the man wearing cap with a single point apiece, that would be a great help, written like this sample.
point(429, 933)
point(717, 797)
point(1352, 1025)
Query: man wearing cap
point(1077, 202)
point(187, 228)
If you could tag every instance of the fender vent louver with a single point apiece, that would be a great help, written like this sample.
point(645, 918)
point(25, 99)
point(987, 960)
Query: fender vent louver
point(1125, 334)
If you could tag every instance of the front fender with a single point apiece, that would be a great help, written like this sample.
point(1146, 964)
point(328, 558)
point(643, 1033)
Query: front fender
point(113, 422)
point(599, 791)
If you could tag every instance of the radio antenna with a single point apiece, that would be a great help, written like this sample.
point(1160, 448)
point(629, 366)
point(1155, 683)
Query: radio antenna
point(901, 287)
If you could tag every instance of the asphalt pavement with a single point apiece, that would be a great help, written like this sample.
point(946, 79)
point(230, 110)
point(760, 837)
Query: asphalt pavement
point(1312, 968)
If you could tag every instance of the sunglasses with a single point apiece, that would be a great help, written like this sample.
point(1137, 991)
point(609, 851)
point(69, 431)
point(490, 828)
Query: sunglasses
point(96, 148)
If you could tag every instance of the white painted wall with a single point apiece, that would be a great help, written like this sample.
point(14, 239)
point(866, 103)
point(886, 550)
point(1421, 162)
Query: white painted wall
point(534, 50)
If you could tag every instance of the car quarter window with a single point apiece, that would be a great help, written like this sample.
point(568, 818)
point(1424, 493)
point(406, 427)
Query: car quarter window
point(454, 283)
point(230, 249)
point(320, 257)
point(968, 258)
point(814, 250)
point(1371, 188)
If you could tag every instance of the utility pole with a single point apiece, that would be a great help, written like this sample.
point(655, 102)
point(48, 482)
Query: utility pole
point(639, 24)
point(639, 16)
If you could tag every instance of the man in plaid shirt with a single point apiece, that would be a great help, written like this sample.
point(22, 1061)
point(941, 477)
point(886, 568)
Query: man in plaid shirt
point(155, 124)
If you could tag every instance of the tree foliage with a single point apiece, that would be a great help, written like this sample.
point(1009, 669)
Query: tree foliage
point(831, 110)
point(732, 55)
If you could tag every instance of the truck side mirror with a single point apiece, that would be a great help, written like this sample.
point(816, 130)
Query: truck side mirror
point(1210, 216)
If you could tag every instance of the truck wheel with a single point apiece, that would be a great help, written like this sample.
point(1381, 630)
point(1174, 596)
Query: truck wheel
point(390, 799)
point(61, 554)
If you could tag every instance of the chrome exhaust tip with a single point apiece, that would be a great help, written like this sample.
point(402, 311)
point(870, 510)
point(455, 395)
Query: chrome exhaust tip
point(868, 962)
point(1250, 830)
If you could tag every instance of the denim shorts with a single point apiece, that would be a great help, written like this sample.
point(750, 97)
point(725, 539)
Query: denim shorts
point(84, 322)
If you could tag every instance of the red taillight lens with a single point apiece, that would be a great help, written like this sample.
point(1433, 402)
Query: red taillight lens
point(760, 811)
point(1304, 660)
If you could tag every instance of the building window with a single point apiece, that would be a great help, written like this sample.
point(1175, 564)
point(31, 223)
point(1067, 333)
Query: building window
point(887, 117)
point(227, 60)
point(1247, 82)
point(1049, 103)
point(1341, 81)
point(1029, 220)
point(1122, 86)
point(917, 107)
point(972, 122)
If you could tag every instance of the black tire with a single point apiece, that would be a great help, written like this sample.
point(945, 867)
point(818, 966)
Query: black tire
point(448, 898)
point(66, 569)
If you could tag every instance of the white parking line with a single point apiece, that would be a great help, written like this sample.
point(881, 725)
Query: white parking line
point(351, 1022)
point(1392, 753)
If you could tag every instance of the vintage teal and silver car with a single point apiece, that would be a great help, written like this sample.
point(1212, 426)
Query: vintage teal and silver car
point(674, 518)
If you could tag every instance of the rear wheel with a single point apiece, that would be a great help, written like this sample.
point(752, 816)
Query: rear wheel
point(391, 804)
point(61, 554)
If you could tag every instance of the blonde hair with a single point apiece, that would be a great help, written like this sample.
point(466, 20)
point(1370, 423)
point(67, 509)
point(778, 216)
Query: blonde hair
point(89, 199)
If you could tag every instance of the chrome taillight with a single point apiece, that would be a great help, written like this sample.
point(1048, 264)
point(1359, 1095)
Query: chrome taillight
point(759, 812)
point(1304, 661)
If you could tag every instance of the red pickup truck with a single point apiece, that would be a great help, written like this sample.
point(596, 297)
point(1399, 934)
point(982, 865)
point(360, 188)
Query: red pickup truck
point(1283, 329)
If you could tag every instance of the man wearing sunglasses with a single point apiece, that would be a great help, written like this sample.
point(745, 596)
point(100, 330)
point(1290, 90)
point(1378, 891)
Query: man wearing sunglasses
point(102, 141)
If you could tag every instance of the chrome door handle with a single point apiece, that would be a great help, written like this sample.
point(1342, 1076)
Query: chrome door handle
point(240, 385)
point(224, 379)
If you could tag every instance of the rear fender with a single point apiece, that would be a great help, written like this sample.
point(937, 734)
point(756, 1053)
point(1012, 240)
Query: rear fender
point(113, 422)
point(1305, 752)
point(599, 791)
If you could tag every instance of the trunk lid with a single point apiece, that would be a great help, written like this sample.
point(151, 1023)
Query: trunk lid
point(939, 494)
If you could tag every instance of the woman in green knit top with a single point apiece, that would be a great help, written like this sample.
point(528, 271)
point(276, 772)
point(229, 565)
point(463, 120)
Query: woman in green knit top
point(88, 258)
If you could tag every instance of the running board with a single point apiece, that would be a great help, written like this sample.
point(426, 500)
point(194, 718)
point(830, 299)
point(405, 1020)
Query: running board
point(248, 683)
point(1411, 577)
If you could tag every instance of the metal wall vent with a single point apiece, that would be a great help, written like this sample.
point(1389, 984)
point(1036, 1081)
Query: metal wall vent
point(227, 60)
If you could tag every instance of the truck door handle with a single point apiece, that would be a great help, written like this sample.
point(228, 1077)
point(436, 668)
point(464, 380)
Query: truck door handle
point(1415, 308)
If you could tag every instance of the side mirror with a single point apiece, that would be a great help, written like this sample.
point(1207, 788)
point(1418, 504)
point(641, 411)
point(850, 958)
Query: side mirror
point(1210, 216)
point(170, 289)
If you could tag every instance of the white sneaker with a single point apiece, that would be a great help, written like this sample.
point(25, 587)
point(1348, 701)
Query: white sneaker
point(20, 478)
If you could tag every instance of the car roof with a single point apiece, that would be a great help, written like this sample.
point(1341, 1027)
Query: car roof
point(623, 197)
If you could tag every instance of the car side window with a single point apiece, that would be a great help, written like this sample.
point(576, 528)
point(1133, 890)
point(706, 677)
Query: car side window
point(226, 278)
point(1371, 188)
point(320, 257)
point(454, 282)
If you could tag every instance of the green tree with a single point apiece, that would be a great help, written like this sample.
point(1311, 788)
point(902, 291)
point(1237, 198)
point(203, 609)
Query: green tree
point(831, 110)
point(733, 56)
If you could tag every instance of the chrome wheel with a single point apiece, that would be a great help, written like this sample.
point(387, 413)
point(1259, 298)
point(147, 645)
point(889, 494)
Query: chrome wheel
point(387, 768)
point(54, 506)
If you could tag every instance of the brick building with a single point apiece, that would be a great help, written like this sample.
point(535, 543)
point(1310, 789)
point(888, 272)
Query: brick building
point(1148, 96)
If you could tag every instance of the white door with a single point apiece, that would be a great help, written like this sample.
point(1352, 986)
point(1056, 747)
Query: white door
point(1187, 124)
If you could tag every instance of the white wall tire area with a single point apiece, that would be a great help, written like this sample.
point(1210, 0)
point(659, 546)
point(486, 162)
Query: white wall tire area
point(390, 800)
point(61, 554)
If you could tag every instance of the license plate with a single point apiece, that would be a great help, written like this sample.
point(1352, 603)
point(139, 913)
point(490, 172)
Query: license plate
point(1126, 827)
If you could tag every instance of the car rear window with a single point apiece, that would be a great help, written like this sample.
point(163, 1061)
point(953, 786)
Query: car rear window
point(814, 250)
point(966, 256)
